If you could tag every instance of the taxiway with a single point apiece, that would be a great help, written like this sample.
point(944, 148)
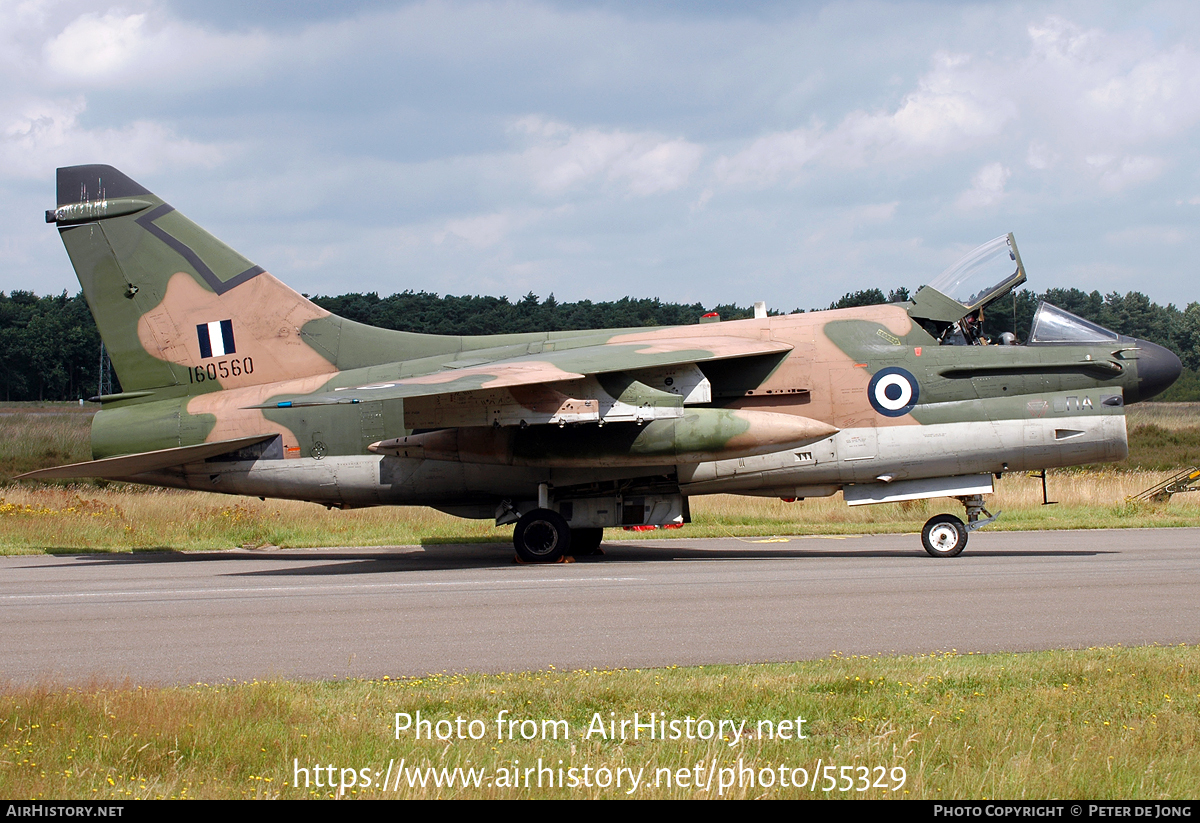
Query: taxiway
point(175, 618)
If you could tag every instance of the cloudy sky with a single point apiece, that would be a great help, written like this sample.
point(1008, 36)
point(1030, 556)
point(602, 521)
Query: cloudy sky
point(693, 151)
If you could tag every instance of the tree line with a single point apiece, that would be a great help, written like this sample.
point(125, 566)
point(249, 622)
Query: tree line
point(50, 349)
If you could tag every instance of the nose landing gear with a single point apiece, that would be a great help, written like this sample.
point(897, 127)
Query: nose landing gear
point(945, 535)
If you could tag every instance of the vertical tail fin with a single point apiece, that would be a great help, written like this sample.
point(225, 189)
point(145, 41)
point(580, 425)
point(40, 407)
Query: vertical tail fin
point(175, 306)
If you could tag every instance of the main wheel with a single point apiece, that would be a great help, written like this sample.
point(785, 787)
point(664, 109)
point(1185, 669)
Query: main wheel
point(586, 541)
point(944, 536)
point(541, 536)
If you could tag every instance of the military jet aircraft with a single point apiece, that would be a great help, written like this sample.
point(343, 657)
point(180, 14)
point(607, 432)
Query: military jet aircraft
point(232, 382)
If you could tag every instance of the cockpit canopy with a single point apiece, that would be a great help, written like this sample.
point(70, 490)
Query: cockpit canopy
point(983, 276)
point(951, 306)
point(951, 310)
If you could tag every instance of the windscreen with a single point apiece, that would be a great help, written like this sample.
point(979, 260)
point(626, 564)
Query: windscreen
point(1053, 325)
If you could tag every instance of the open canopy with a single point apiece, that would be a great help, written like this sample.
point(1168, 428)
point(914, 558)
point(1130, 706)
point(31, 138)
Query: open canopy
point(982, 276)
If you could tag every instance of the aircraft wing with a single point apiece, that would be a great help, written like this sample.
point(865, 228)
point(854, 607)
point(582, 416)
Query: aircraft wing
point(114, 468)
point(547, 367)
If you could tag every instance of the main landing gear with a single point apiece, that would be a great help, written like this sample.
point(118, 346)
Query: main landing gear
point(543, 536)
point(585, 542)
point(945, 535)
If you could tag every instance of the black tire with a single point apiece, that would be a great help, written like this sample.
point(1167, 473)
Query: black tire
point(541, 536)
point(585, 542)
point(944, 535)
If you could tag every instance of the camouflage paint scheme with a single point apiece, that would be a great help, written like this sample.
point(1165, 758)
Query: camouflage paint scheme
point(238, 384)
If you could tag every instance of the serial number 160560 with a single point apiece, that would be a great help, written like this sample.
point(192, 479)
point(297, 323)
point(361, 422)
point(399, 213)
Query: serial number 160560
point(234, 367)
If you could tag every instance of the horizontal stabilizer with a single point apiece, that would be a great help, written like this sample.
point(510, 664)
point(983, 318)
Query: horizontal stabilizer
point(87, 184)
point(547, 367)
point(113, 468)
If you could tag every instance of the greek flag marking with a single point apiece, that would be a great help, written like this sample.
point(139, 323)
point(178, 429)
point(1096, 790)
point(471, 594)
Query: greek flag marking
point(216, 338)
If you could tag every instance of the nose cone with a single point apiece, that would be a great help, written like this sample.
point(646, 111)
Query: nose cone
point(1157, 369)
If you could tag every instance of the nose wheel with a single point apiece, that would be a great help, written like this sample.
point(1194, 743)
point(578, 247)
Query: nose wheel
point(944, 536)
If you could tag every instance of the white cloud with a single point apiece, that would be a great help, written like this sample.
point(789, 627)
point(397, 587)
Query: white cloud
point(1079, 92)
point(770, 158)
point(1040, 156)
point(145, 50)
point(847, 223)
point(820, 140)
point(1057, 40)
point(954, 103)
point(38, 135)
point(952, 110)
point(1117, 173)
point(1092, 91)
point(486, 230)
point(987, 187)
point(876, 212)
point(564, 157)
point(1157, 97)
point(97, 46)
point(1149, 236)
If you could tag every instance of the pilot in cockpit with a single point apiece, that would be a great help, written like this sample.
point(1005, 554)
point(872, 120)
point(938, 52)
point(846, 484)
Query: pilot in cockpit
point(966, 332)
point(951, 306)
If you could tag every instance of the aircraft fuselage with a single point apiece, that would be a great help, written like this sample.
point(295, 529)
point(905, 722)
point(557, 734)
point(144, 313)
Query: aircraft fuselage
point(233, 382)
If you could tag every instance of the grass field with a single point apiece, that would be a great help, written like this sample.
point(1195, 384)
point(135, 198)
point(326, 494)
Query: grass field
point(1097, 723)
point(117, 518)
point(40, 435)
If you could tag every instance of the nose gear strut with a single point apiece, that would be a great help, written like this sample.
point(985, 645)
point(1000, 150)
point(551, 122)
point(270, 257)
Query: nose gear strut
point(974, 506)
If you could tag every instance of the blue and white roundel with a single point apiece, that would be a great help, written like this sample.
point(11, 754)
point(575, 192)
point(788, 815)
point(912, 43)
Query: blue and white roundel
point(893, 392)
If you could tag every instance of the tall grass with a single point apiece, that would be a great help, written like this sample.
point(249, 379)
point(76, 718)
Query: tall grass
point(1170, 416)
point(123, 518)
point(1099, 723)
point(72, 518)
point(39, 437)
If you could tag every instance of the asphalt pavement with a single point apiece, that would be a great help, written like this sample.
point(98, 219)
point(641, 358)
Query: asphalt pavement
point(176, 618)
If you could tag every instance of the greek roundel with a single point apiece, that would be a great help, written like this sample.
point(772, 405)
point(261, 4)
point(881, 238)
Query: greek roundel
point(893, 392)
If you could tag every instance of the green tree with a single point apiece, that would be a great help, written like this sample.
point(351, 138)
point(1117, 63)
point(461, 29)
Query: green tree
point(866, 297)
